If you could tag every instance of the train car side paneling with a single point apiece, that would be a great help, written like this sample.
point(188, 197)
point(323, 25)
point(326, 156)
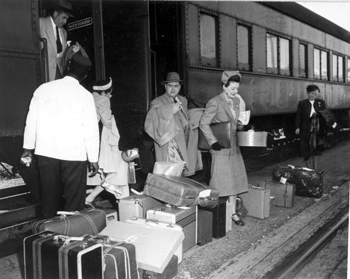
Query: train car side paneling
point(19, 63)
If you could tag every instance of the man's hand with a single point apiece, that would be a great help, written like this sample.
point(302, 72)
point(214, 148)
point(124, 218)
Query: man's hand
point(216, 146)
point(76, 47)
point(27, 157)
point(297, 131)
point(176, 107)
point(94, 167)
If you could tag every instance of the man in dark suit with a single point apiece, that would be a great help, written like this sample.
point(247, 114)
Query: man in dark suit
point(51, 29)
point(307, 125)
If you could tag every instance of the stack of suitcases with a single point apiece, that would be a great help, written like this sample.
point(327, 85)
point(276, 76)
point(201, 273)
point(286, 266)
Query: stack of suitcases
point(146, 239)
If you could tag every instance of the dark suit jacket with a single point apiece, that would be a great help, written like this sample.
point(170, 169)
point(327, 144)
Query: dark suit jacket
point(303, 119)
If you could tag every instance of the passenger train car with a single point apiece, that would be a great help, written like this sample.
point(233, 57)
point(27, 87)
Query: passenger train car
point(279, 47)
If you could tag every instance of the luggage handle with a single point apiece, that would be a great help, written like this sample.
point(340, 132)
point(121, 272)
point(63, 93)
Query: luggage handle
point(67, 212)
point(66, 239)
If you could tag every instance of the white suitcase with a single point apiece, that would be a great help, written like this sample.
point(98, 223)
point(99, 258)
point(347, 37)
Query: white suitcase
point(155, 242)
point(186, 218)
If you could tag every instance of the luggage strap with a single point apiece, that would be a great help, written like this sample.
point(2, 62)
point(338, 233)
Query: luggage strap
point(126, 257)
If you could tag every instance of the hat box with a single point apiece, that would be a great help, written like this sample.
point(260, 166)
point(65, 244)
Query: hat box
point(252, 139)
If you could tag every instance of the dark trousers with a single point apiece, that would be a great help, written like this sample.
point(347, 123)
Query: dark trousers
point(63, 185)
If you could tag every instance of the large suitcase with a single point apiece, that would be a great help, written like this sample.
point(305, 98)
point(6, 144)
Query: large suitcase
point(219, 218)
point(257, 202)
point(136, 206)
point(169, 272)
point(186, 218)
point(119, 258)
point(180, 191)
point(155, 243)
point(51, 255)
point(308, 182)
point(283, 193)
point(90, 221)
point(205, 224)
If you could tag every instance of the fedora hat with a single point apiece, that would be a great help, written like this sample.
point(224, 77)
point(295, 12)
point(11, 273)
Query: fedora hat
point(64, 6)
point(172, 77)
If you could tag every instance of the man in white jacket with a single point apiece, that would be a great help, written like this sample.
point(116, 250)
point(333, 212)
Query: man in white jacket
point(61, 127)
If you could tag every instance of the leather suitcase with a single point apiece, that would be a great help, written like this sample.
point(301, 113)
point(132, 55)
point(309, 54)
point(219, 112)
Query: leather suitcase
point(180, 191)
point(51, 255)
point(169, 272)
point(257, 202)
point(136, 206)
point(205, 224)
point(219, 218)
point(119, 259)
point(186, 218)
point(90, 221)
point(283, 193)
point(308, 182)
point(155, 242)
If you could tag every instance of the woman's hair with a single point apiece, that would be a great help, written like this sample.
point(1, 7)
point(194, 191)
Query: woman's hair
point(235, 78)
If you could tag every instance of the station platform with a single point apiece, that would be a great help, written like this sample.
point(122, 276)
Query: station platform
point(231, 255)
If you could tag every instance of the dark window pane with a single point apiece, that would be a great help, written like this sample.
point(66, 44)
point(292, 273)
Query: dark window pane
point(243, 44)
point(208, 40)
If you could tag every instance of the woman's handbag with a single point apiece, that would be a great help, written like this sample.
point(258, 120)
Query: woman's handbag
point(222, 132)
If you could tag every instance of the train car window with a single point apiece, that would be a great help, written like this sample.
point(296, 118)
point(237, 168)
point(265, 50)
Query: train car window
point(272, 59)
point(338, 68)
point(284, 55)
point(302, 60)
point(278, 55)
point(321, 64)
point(348, 70)
point(208, 40)
point(244, 47)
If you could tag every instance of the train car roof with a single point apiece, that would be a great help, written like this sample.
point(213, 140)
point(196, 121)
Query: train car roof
point(309, 17)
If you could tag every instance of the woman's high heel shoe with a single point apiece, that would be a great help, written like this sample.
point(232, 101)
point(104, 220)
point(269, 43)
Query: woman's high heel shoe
point(238, 222)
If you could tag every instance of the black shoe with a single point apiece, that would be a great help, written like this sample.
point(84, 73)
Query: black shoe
point(237, 222)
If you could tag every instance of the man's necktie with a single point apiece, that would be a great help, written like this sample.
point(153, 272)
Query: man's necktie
point(58, 41)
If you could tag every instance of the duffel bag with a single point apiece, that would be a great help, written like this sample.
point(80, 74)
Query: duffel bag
point(308, 182)
point(180, 191)
point(78, 223)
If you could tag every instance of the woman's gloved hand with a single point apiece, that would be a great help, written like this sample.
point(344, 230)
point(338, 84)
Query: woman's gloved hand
point(216, 146)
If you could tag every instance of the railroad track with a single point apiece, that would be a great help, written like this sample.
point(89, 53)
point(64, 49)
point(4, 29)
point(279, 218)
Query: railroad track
point(300, 257)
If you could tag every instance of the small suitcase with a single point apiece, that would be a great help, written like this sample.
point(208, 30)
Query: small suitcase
point(169, 272)
point(219, 218)
point(90, 221)
point(308, 182)
point(155, 242)
point(283, 193)
point(136, 206)
point(205, 224)
point(180, 191)
point(186, 218)
point(257, 202)
point(55, 256)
